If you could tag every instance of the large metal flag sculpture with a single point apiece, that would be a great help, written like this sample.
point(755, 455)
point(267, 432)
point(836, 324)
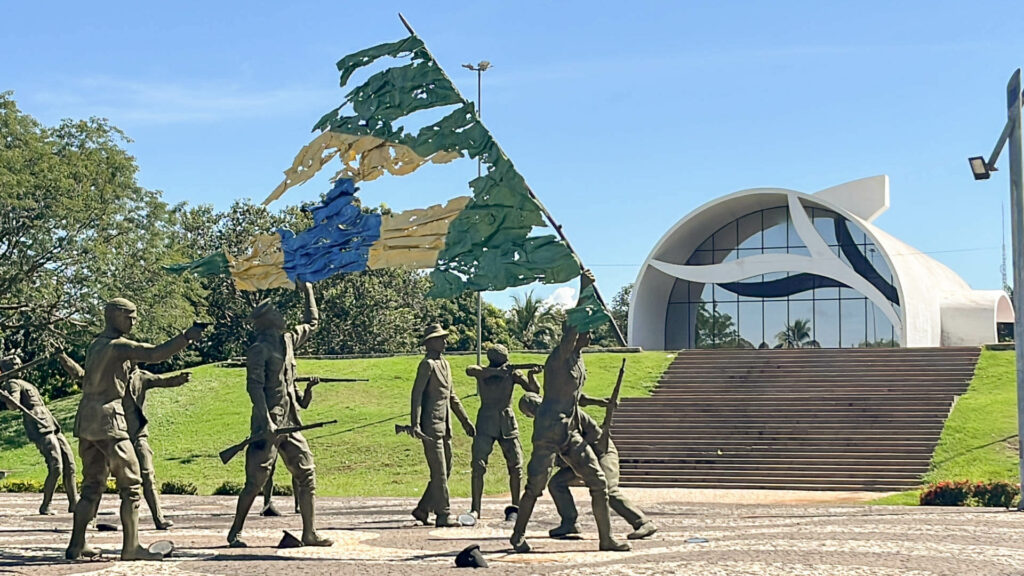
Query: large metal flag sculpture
point(476, 243)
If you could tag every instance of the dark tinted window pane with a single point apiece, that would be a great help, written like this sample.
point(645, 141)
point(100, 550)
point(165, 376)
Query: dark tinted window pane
point(677, 327)
point(750, 231)
point(880, 331)
point(775, 233)
point(776, 314)
point(802, 310)
point(751, 322)
point(725, 327)
point(724, 256)
point(725, 238)
point(700, 257)
point(703, 333)
point(826, 293)
point(748, 252)
point(826, 323)
point(680, 291)
point(853, 328)
point(794, 237)
point(825, 226)
point(723, 295)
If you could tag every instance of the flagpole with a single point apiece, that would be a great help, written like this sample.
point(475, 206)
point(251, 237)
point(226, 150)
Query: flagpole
point(543, 209)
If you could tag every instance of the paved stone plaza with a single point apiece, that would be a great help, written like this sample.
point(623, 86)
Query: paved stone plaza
point(377, 536)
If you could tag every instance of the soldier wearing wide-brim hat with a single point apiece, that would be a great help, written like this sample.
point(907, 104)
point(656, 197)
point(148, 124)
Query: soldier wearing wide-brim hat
point(496, 422)
point(433, 401)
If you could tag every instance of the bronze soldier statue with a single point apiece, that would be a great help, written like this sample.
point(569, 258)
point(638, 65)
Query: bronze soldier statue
point(44, 431)
point(496, 422)
point(268, 488)
point(557, 432)
point(102, 429)
point(433, 400)
point(140, 382)
point(558, 485)
point(270, 381)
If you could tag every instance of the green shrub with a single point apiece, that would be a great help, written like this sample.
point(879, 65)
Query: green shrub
point(21, 486)
point(228, 488)
point(283, 490)
point(995, 494)
point(965, 493)
point(179, 487)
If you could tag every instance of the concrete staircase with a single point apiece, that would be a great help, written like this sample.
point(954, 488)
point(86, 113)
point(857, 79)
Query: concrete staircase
point(806, 419)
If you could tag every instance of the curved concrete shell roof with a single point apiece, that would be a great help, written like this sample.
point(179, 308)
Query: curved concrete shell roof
point(936, 307)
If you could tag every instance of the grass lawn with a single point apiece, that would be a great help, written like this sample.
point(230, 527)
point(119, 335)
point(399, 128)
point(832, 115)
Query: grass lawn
point(359, 456)
point(979, 439)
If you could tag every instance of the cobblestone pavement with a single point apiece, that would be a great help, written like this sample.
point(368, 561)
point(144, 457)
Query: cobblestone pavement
point(377, 536)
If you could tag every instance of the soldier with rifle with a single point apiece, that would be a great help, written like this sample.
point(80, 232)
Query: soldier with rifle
point(140, 382)
point(270, 381)
point(42, 429)
point(599, 439)
point(496, 422)
point(557, 433)
point(100, 425)
point(304, 400)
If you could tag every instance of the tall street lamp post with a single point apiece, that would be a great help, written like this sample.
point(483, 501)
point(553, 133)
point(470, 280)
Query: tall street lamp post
point(480, 68)
point(982, 169)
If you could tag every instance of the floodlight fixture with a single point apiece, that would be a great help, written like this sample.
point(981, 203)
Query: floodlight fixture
point(980, 168)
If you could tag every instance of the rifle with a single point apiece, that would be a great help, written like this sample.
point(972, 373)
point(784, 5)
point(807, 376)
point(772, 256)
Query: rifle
point(606, 426)
point(26, 366)
point(228, 453)
point(329, 380)
point(407, 429)
point(24, 410)
point(526, 367)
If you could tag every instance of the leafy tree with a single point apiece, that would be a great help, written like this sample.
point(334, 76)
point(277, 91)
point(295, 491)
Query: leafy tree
point(533, 324)
point(716, 329)
point(459, 316)
point(619, 308)
point(796, 335)
point(76, 229)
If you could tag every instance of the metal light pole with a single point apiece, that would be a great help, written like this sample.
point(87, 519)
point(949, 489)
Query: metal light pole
point(480, 68)
point(981, 169)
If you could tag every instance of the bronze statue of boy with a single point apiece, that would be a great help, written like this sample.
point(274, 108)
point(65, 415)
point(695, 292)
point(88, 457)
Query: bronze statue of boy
point(496, 422)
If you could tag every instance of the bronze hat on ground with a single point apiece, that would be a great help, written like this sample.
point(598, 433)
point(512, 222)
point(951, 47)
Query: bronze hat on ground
point(471, 557)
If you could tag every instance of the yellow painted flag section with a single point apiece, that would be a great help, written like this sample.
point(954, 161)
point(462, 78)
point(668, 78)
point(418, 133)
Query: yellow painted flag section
point(365, 157)
point(263, 268)
point(414, 237)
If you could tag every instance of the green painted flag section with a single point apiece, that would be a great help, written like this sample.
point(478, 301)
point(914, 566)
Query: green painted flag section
point(215, 264)
point(589, 313)
point(489, 245)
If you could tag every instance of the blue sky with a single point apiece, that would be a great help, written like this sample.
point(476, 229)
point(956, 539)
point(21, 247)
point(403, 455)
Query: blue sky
point(622, 117)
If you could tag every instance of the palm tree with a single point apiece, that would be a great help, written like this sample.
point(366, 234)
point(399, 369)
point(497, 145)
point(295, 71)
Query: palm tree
point(531, 323)
point(796, 335)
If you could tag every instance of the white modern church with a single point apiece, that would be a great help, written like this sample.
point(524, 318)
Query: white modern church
point(746, 268)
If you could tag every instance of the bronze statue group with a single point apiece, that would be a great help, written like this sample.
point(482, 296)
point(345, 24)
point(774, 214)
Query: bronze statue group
point(111, 428)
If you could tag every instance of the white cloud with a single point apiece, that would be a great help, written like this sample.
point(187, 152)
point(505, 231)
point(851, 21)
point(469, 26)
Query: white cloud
point(564, 297)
